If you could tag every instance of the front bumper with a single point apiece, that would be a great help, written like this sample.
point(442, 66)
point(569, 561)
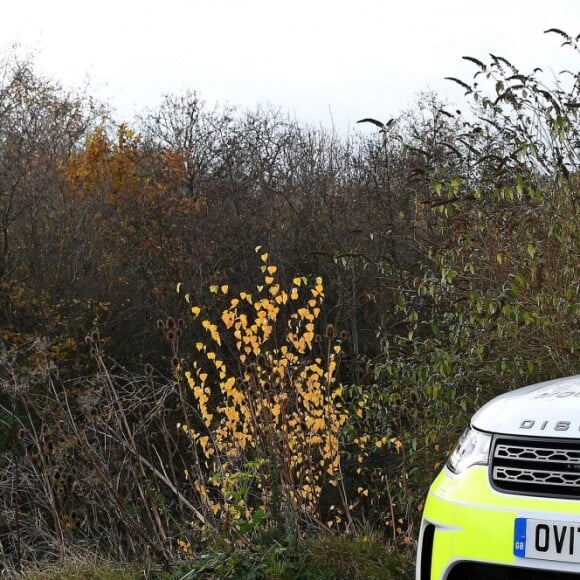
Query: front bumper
point(466, 521)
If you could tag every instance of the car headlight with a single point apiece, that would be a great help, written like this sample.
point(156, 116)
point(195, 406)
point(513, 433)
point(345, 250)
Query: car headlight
point(471, 449)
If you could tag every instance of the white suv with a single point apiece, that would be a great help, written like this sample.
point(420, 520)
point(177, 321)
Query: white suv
point(507, 504)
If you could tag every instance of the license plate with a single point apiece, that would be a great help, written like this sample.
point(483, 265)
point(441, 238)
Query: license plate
point(547, 540)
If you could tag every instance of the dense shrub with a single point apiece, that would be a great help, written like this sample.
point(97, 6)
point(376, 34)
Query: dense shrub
point(445, 248)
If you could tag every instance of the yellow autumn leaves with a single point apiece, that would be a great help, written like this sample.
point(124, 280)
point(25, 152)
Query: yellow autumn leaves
point(276, 410)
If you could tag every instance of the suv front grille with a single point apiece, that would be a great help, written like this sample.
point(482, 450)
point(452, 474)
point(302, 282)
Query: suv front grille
point(536, 466)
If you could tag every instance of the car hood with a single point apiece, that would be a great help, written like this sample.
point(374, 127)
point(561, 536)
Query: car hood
point(548, 409)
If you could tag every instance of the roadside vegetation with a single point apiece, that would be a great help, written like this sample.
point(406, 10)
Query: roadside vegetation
point(233, 346)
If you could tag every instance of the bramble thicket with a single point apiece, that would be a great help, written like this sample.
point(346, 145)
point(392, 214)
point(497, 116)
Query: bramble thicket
point(223, 329)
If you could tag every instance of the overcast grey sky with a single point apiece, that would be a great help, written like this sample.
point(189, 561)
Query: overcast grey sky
point(322, 61)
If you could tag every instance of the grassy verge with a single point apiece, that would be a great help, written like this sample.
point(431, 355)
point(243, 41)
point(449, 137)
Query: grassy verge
point(337, 557)
point(327, 557)
point(83, 571)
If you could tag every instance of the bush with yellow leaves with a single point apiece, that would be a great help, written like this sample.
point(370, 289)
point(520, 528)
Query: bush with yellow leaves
point(270, 415)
